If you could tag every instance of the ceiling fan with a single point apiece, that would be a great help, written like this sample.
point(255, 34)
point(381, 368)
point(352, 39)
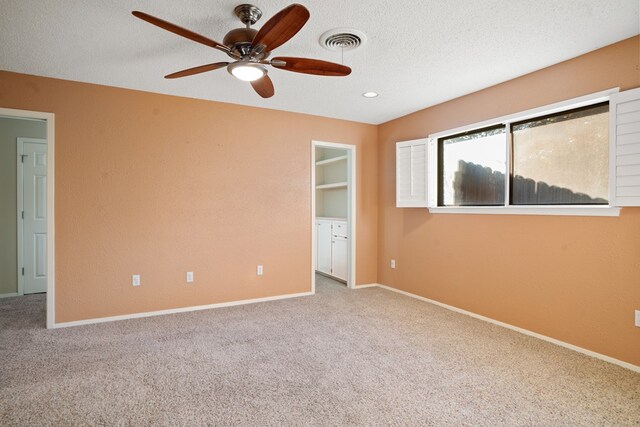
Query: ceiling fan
point(250, 48)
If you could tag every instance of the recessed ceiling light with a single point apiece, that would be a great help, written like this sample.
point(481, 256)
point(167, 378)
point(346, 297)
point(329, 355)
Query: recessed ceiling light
point(370, 94)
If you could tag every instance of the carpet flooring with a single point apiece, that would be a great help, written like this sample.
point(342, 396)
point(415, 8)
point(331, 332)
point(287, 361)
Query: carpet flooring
point(341, 357)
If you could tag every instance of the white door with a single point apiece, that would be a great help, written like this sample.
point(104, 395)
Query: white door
point(323, 246)
point(34, 207)
point(339, 257)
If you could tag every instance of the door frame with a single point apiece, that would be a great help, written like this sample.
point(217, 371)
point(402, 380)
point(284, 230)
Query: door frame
point(20, 141)
point(351, 210)
point(49, 119)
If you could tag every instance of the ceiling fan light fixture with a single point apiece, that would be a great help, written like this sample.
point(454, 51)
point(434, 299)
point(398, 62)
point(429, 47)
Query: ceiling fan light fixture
point(247, 71)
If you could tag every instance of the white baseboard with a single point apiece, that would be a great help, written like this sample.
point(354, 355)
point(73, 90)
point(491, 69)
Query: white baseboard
point(369, 285)
point(177, 310)
point(603, 357)
point(12, 294)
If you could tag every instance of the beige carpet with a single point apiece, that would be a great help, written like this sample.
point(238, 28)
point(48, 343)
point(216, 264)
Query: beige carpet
point(342, 357)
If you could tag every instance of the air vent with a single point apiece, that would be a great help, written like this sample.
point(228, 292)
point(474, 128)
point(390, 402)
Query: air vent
point(342, 39)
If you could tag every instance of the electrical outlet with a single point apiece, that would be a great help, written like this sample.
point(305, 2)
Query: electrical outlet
point(135, 280)
point(259, 271)
point(638, 318)
point(393, 263)
point(189, 276)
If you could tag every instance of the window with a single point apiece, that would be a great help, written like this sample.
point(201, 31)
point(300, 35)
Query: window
point(561, 158)
point(579, 157)
point(554, 159)
point(472, 168)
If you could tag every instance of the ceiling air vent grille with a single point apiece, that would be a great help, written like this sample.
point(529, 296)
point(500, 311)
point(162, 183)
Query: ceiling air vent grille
point(342, 39)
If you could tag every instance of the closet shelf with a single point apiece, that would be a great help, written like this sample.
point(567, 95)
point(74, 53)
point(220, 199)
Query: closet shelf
point(332, 185)
point(331, 160)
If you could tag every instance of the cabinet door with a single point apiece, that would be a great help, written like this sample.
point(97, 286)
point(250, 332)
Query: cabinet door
point(339, 257)
point(323, 246)
point(340, 228)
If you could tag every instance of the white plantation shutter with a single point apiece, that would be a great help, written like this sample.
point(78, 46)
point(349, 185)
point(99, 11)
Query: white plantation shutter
point(624, 161)
point(411, 174)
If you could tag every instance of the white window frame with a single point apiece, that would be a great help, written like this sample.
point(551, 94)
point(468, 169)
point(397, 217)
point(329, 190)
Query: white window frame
point(572, 210)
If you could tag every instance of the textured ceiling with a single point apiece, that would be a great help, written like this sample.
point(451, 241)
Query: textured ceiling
point(418, 53)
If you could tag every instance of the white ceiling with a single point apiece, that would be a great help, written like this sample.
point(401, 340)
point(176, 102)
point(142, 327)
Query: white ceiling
point(418, 53)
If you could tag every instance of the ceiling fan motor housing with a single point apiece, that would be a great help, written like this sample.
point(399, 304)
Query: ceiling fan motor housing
point(239, 41)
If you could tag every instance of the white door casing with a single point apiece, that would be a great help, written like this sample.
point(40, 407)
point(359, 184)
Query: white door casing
point(32, 215)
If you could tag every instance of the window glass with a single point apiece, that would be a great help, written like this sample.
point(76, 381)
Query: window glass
point(472, 168)
point(562, 158)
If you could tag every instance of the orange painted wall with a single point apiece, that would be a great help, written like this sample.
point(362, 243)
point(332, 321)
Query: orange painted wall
point(158, 185)
point(576, 279)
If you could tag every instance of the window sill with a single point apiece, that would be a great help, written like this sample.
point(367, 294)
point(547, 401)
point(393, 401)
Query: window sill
point(530, 210)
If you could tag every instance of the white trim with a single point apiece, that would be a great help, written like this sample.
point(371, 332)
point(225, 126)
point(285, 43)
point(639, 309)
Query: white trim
point(584, 351)
point(20, 220)
point(51, 246)
point(9, 295)
point(613, 149)
point(369, 285)
point(20, 141)
point(508, 164)
point(351, 209)
point(178, 310)
point(562, 210)
point(578, 102)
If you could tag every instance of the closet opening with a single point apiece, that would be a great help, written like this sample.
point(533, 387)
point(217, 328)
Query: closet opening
point(333, 213)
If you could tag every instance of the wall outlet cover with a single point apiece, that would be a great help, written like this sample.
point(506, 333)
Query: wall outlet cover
point(393, 263)
point(260, 270)
point(638, 318)
point(135, 280)
point(189, 276)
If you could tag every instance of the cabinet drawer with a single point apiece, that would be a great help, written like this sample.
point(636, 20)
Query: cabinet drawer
point(339, 228)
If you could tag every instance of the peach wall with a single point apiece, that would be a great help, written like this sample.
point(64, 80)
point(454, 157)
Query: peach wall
point(576, 279)
point(159, 185)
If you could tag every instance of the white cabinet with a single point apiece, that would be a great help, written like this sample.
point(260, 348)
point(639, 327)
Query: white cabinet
point(339, 257)
point(339, 228)
point(332, 248)
point(323, 245)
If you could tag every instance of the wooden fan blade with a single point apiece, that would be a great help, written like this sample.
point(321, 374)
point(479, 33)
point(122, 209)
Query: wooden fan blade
point(310, 66)
point(180, 31)
point(196, 70)
point(264, 86)
point(281, 27)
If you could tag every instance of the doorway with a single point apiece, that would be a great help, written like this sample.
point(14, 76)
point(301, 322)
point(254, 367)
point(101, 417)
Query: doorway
point(27, 214)
point(333, 196)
